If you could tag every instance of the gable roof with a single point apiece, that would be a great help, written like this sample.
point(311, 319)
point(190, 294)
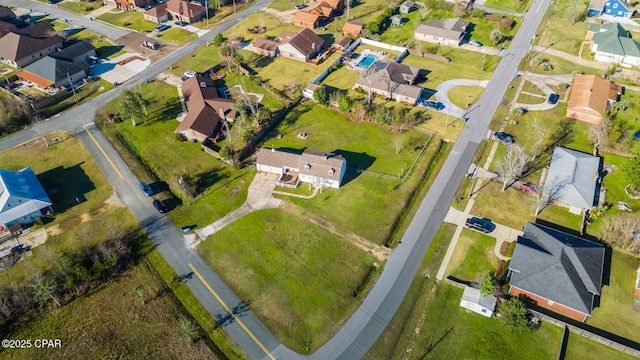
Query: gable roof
point(73, 51)
point(592, 92)
point(474, 296)
point(157, 11)
point(265, 44)
point(6, 27)
point(343, 42)
point(204, 106)
point(575, 175)
point(353, 28)
point(6, 13)
point(310, 162)
point(15, 46)
point(453, 28)
point(408, 4)
point(321, 8)
point(306, 41)
point(596, 4)
point(23, 187)
point(40, 30)
point(185, 8)
point(54, 69)
point(558, 266)
point(306, 17)
point(614, 39)
point(392, 77)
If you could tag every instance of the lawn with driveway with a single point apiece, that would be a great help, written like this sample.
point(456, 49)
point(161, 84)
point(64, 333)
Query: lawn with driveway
point(296, 277)
point(80, 7)
point(132, 20)
point(473, 258)
point(177, 35)
point(104, 47)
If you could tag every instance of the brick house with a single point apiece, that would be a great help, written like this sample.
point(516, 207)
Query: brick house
point(591, 98)
point(303, 45)
point(184, 11)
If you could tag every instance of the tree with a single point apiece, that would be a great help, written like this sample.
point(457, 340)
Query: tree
point(631, 169)
point(320, 95)
point(132, 105)
point(226, 51)
point(345, 103)
point(511, 165)
point(248, 134)
point(619, 231)
point(546, 66)
point(538, 131)
point(398, 142)
point(218, 39)
point(496, 36)
point(424, 11)
point(549, 193)
point(14, 113)
point(622, 105)
point(139, 290)
point(488, 286)
point(563, 86)
point(43, 290)
point(598, 134)
point(513, 314)
point(518, 111)
point(226, 153)
point(189, 330)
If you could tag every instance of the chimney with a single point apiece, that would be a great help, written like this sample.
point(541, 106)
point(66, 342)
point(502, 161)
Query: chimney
point(221, 113)
point(326, 156)
point(203, 84)
point(273, 149)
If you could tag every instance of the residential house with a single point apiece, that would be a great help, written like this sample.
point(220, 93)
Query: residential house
point(266, 47)
point(591, 98)
point(617, 8)
point(613, 44)
point(595, 8)
point(396, 20)
point(6, 14)
point(21, 48)
point(573, 179)
point(391, 80)
point(55, 72)
point(205, 110)
point(307, 20)
point(184, 11)
point(407, 7)
point(448, 32)
point(338, 5)
point(22, 198)
point(314, 167)
point(559, 271)
point(352, 29)
point(79, 51)
point(303, 45)
point(323, 9)
point(132, 5)
point(473, 300)
point(342, 44)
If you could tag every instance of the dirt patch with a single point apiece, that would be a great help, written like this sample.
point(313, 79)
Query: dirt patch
point(379, 252)
point(111, 203)
point(285, 16)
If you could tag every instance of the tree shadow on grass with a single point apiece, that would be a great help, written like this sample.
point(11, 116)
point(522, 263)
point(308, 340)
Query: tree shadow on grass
point(66, 186)
point(356, 163)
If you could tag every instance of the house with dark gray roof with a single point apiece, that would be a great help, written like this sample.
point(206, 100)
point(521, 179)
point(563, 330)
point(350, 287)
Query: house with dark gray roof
point(559, 271)
point(391, 80)
point(22, 198)
point(448, 32)
point(573, 176)
point(51, 71)
point(611, 43)
point(79, 51)
point(313, 167)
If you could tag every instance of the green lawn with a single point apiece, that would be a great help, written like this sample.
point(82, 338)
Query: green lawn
point(80, 7)
point(273, 26)
point(464, 65)
point(343, 78)
point(518, 6)
point(177, 35)
point(579, 347)
point(558, 30)
point(462, 95)
point(104, 47)
point(283, 4)
point(83, 93)
point(133, 20)
point(562, 66)
point(473, 258)
point(615, 313)
point(201, 60)
point(296, 277)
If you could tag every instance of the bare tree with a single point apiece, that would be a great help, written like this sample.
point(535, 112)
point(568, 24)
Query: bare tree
point(538, 131)
point(43, 290)
point(598, 134)
point(398, 142)
point(548, 194)
point(511, 165)
point(619, 230)
point(424, 11)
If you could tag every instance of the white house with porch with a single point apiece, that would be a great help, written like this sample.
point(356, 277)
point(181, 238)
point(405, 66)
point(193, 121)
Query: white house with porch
point(22, 198)
point(313, 167)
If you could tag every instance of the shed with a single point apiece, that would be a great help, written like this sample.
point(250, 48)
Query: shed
point(473, 300)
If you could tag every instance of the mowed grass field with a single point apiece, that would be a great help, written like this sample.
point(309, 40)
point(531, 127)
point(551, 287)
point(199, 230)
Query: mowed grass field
point(296, 277)
point(473, 258)
point(133, 20)
point(112, 323)
point(579, 347)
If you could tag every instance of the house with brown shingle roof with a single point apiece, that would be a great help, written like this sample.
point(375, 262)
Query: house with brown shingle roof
point(128, 4)
point(392, 81)
point(205, 109)
point(342, 44)
point(591, 98)
point(322, 8)
point(307, 19)
point(448, 32)
point(314, 167)
point(266, 47)
point(352, 29)
point(304, 45)
point(184, 11)
point(19, 49)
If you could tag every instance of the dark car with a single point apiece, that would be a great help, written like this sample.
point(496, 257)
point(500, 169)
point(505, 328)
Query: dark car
point(435, 105)
point(145, 188)
point(504, 137)
point(180, 23)
point(301, 6)
point(162, 27)
point(553, 99)
point(480, 224)
point(160, 206)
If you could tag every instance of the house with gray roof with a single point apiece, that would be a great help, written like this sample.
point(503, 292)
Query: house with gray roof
point(558, 271)
point(448, 32)
point(22, 198)
point(79, 51)
point(313, 167)
point(573, 177)
point(54, 72)
point(611, 43)
point(391, 80)
point(473, 300)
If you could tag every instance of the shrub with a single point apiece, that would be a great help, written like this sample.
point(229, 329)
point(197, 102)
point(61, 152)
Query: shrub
point(505, 24)
point(218, 39)
point(126, 23)
point(513, 314)
point(563, 86)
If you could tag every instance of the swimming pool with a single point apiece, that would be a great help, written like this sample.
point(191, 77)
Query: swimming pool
point(367, 61)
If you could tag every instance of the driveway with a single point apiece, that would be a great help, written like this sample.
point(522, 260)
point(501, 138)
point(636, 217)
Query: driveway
point(111, 71)
point(442, 95)
point(542, 82)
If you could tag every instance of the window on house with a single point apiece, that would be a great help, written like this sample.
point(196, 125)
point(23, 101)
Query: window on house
point(608, 3)
point(435, 38)
point(550, 302)
point(307, 167)
point(619, 12)
point(615, 6)
point(331, 172)
point(484, 311)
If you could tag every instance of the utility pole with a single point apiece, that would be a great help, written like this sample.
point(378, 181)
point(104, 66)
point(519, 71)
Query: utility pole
point(348, 7)
point(181, 182)
point(206, 4)
point(483, 58)
point(72, 88)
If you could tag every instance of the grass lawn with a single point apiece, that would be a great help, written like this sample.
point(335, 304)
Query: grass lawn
point(104, 47)
point(365, 146)
point(201, 60)
point(80, 7)
point(249, 84)
point(66, 171)
point(448, 127)
point(113, 323)
point(177, 35)
point(559, 31)
point(531, 99)
point(518, 6)
point(343, 78)
point(462, 95)
point(85, 92)
point(562, 66)
point(615, 313)
point(296, 277)
point(473, 258)
point(273, 25)
point(220, 15)
point(579, 347)
point(283, 4)
point(133, 20)
point(530, 88)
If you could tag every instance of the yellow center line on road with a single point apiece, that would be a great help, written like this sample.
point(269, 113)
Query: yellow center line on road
point(228, 309)
point(103, 152)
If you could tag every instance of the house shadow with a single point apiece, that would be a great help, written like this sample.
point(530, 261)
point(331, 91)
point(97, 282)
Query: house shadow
point(108, 50)
point(66, 186)
point(328, 39)
point(356, 163)
point(68, 32)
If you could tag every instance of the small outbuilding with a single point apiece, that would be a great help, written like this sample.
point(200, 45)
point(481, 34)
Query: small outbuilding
point(473, 300)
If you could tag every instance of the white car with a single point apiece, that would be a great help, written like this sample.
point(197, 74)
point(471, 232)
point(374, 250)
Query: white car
point(189, 74)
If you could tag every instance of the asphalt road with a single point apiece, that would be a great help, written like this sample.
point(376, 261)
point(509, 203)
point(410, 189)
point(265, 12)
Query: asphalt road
point(365, 326)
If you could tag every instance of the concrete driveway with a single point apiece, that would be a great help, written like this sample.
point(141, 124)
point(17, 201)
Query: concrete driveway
point(542, 82)
point(442, 94)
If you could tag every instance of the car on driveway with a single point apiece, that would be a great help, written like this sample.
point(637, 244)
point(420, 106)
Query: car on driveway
point(301, 6)
point(480, 224)
point(189, 74)
point(160, 206)
point(553, 99)
point(529, 188)
point(180, 23)
point(435, 105)
point(162, 27)
point(504, 137)
point(475, 43)
point(146, 189)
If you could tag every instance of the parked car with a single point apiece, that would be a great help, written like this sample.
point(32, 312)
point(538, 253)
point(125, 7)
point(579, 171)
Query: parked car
point(148, 6)
point(529, 188)
point(189, 74)
point(435, 105)
point(146, 189)
point(504, 137)
point(480, 224)
point(475, 43)
point(160, 206)
point(301, 6)
point(93, 60)
point(180, 23)
point(553, 99)
point(162, 27)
